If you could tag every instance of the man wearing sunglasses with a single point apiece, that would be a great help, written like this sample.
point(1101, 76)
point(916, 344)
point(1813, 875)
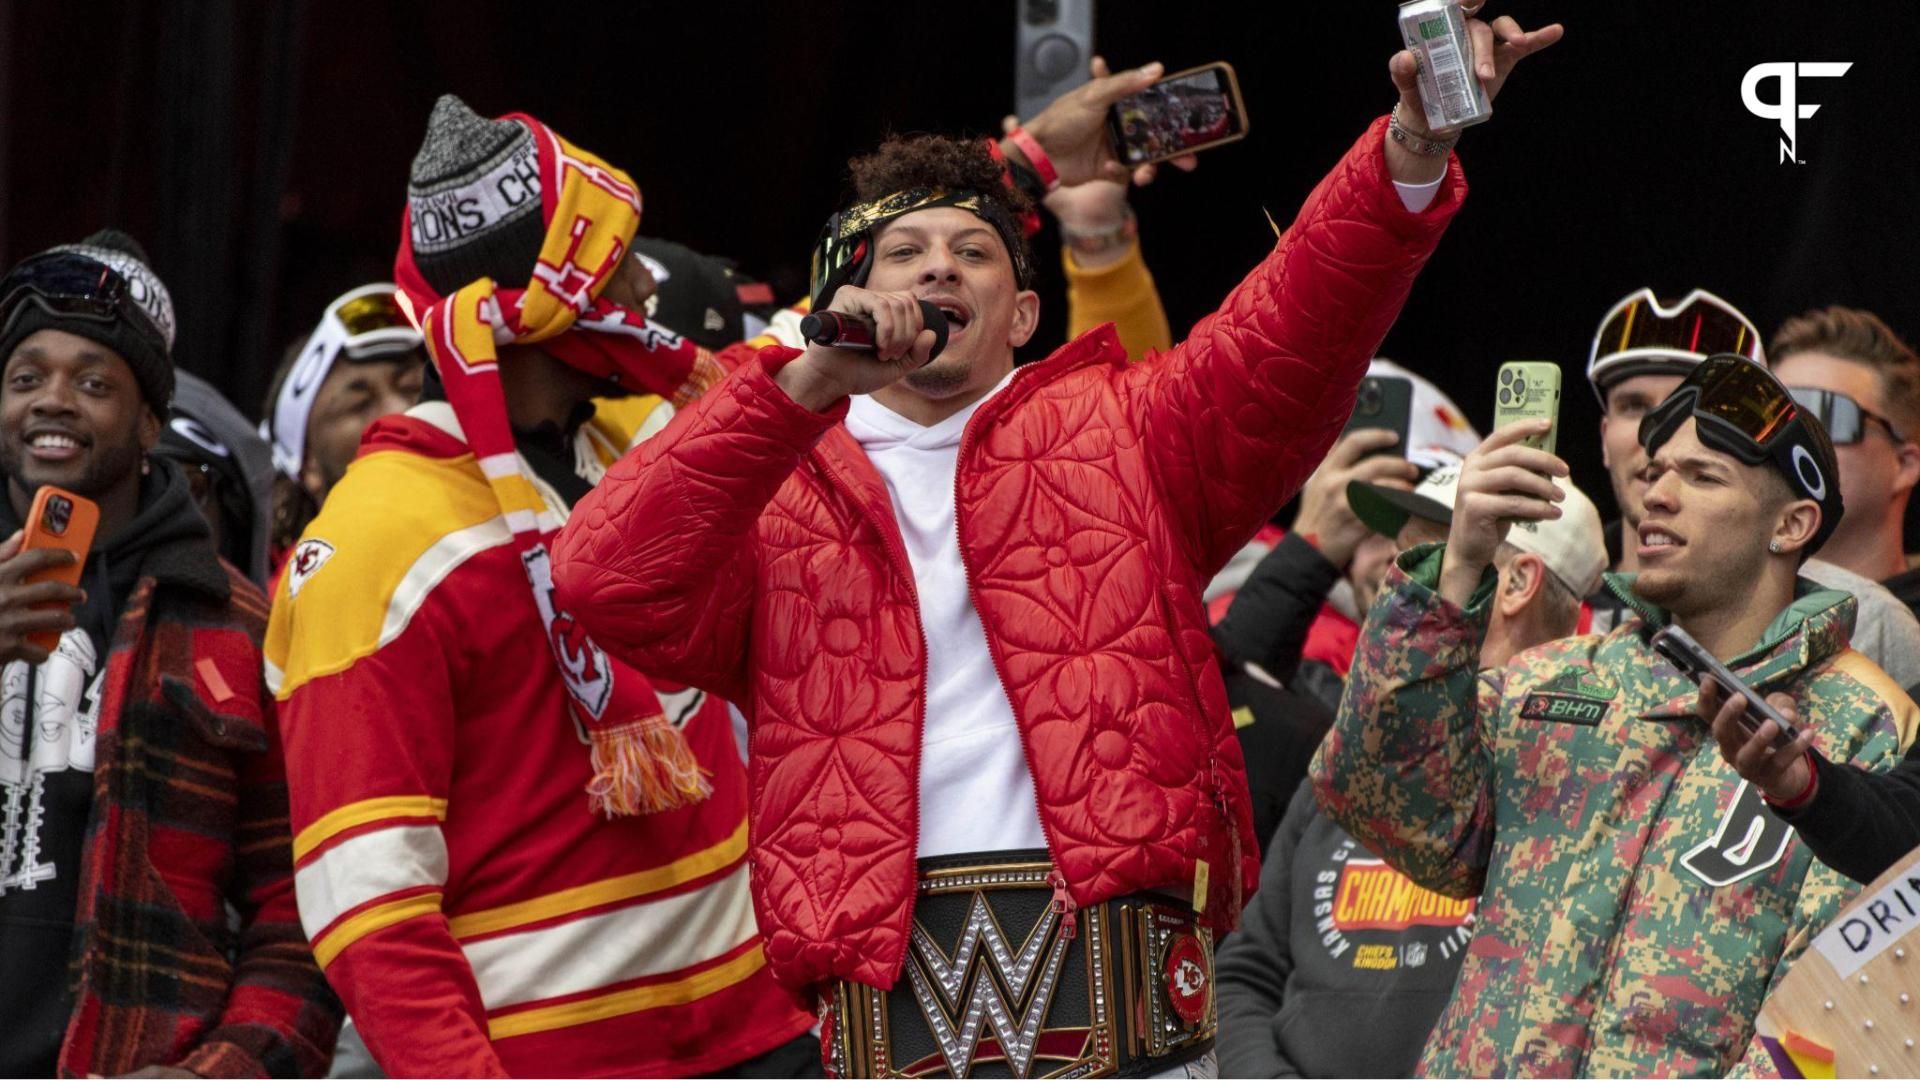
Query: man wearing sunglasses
point(147, 907)
point(1637, 900)
point(1852, 371)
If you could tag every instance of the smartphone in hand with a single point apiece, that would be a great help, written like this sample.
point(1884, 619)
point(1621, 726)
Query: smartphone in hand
point(1384, 402)
point(1529, 390)
point(59, 519)
point(1696, 663)
point(1185, 112)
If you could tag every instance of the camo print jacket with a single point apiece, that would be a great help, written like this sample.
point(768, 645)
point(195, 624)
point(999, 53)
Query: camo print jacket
point(1637, 902)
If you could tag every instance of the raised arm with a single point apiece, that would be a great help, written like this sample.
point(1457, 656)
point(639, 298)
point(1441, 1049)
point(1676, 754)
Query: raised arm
point(1239, 413)
point(1406, 768)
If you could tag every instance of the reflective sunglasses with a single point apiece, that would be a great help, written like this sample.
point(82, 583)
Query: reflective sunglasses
point(1701, 325)
point(1844, 418)
point(1743, 410)
point(369, 322)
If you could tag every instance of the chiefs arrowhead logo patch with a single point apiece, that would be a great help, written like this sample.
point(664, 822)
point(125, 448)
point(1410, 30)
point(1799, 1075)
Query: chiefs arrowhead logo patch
point(306, 561)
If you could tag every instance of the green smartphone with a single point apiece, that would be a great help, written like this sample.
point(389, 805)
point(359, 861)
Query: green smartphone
point(1529, 390)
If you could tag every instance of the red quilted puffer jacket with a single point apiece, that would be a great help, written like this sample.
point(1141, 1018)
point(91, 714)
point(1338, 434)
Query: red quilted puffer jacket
point(750, 549)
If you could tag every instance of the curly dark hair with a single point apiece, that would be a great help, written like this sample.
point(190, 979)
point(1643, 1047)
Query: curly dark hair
point(938, 161)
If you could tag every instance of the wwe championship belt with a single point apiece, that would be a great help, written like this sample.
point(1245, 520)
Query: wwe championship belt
point(1000, 984)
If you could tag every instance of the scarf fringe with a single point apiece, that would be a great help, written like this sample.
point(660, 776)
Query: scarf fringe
point(645, 768)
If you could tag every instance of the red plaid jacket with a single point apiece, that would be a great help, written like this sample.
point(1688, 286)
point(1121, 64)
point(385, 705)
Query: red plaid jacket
point(189, 815)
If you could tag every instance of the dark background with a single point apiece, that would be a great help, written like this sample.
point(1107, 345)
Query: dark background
point(260, 149)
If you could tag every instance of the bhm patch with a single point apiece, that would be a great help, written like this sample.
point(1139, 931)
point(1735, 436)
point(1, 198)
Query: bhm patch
point(1564, 708)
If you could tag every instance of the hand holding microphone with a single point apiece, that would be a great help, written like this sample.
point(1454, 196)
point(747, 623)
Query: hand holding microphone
point(844, 330)
point(867, 340)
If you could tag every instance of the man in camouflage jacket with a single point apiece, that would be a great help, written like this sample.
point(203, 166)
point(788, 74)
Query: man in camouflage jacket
point(1637, 902)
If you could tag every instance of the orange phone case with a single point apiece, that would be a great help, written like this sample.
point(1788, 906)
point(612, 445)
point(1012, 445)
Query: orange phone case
point(59, 519)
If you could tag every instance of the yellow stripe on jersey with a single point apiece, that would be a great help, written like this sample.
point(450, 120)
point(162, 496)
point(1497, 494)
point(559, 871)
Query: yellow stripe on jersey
point(402, 525)
point(353, 815)
point(1906, 715)
point(622, 1002)
point(618, 421)
point(599, 893)
point(377, 917)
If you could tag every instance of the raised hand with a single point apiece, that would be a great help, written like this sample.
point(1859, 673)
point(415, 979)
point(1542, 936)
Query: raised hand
point(1501, 482)
point(1498, 47)
point(1325, 514)
point(1073, 128)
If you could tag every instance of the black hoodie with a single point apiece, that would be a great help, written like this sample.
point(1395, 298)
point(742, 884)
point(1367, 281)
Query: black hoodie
point(53, 708)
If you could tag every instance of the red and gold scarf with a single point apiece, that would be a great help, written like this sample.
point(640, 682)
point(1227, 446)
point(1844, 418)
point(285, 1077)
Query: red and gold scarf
point(641, 762)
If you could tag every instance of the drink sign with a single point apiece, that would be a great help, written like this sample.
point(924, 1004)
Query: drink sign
point(1870, 927)
point(1850, 1006)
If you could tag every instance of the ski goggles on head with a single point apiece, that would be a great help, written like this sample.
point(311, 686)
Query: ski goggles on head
point(75, 286)
point(1743, 411)
point(1640, 335)
point(366, 323)
point(1845, 419)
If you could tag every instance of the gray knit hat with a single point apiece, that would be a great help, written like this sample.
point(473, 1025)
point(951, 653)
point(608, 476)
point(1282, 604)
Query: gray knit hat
point(474, 199)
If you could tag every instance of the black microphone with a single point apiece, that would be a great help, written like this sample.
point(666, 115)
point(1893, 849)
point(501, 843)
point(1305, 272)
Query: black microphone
point(839, 330)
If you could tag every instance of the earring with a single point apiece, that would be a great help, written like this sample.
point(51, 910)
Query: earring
point(146, 466)
point(1773, 546)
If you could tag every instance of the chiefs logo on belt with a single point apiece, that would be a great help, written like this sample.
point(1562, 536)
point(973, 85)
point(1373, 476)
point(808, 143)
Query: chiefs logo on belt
point(1186, 974)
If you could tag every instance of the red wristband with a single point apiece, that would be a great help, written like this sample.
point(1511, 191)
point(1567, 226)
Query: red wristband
point(1805, 796)
point(1029, 221)
point(1036, 157)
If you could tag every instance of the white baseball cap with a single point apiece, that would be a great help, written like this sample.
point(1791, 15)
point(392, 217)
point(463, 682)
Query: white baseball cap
point(1573, 546)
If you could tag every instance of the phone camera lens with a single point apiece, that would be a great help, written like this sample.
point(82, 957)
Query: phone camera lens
point(1519, 388)
point(1506, 396)
point(1506, 377)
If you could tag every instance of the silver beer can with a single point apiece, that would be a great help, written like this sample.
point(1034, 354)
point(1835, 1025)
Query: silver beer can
point(1436, 32)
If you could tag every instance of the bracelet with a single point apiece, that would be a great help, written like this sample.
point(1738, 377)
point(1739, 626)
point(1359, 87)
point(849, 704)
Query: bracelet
point(1036, 157)
point(1807, 793)
point(1095, 241)
point(1419, 144)
point(1019, 178)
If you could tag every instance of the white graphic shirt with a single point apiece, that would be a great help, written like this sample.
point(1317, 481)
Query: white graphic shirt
point(64, 715)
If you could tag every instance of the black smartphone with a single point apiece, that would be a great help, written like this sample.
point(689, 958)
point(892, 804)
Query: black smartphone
point(1697, 663)
point(1186, 112)
point(1386, 402)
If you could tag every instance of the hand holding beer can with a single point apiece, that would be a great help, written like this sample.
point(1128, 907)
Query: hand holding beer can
point(1435, 31)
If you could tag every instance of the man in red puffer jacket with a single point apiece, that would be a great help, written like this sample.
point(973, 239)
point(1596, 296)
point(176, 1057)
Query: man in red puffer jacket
point(962, 605)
